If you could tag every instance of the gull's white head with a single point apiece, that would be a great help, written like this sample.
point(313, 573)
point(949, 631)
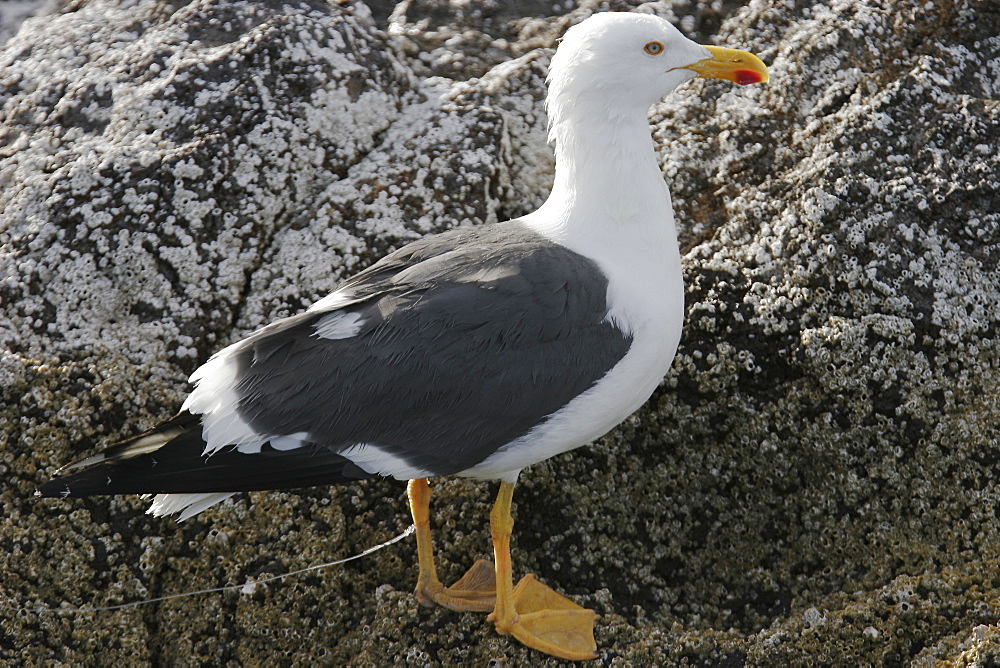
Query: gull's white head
point(621, 62)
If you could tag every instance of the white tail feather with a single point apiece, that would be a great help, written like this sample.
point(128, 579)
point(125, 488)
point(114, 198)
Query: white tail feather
point(188, 505)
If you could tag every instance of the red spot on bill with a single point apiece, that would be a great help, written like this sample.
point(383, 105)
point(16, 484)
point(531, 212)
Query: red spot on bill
point(745, 77)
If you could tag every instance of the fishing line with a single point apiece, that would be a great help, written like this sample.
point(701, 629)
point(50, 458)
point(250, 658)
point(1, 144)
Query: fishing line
point(246, 588)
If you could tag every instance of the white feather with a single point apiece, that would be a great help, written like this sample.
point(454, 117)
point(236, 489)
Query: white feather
point(372, 459)
point(339, 325)
point(188, 505)
point(290, 442)
point(216, 400)
point(331, 302)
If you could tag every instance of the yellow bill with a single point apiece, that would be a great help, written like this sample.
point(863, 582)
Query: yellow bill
point(740, 67)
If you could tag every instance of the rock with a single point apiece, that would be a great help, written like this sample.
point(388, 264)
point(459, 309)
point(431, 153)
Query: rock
point(815, 481)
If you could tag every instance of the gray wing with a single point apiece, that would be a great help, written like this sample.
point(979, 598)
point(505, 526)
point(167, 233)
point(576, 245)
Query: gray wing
point(446, 350)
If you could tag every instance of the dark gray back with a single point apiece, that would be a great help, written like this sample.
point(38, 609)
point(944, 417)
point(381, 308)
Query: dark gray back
point(468, 339)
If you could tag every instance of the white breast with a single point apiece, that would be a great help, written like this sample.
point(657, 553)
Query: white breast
point(641, 259)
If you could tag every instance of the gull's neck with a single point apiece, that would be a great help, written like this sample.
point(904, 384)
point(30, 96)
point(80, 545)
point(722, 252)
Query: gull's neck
point(608, 186)
point(609, 202)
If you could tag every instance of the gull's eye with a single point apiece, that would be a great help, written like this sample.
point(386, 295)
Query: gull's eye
point(654, 48)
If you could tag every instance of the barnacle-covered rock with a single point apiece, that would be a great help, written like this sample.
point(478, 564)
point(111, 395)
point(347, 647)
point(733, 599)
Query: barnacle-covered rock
point(815, 482)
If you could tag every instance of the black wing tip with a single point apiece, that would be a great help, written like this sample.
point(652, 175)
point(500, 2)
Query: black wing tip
point(83, 483)
point(53, 489)
point(93, 475)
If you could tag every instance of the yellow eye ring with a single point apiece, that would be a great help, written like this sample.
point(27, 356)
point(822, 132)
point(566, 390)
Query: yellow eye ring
point(654, 48)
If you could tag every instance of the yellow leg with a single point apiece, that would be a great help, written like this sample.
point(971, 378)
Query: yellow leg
point(474, 592)
point(533, 613)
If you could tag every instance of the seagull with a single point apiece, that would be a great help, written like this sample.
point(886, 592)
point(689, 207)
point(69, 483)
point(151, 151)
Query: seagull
point(476, 353)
